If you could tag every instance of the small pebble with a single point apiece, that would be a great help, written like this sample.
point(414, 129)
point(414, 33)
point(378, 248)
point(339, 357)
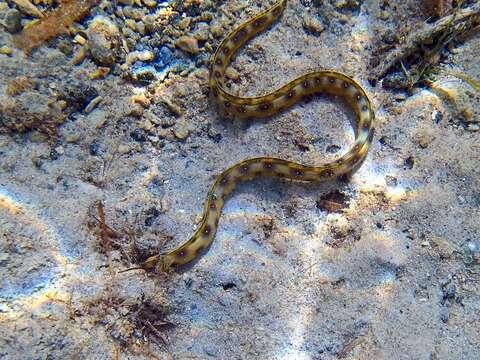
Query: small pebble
point(12, 21)
point(73, 138)
point(145, 73)
point(135, 110)
point(138, 135)
point(217, 30)
point(423, 142)
point(473, 127)
point(124, 149)
point(93, 104)
point(313, 25)
point(65, 46)
point(146, 55)
point(79, 39)
point(141, 99)
point(188, 44)
point(94, 148)
point(97, 118)
point(131, 24)
point(150, 3)
point(5, 50)
point(28, 8)
point(181, 131)
point(60, 150)
point(408, 163)
point(231, 73)
point(103, 40)
point(100, 73)
point(77, 94)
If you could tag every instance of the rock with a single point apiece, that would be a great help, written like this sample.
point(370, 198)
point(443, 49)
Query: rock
point(163, 58)
point(77, 95)
point(473, 127)
point(29, 110)
point(144, 73)
point(5, 50)
point(150, 3)
point(141, 99)
point(202, 31)
point(79, 39)
point(184, 23)
point(182, 130)
point(134, 13)
point(138, 135)
point(188, 44)
point(103, 40)
point(131, 24)
point(12, 21)
point(134, 56)
point(135, 110)
point(28, 8)
point(97, 118)
point(312, 24)
point(93, 104)
point(233, 74)
point(149, 23)
point(60, 150)
point(65, 46)
point(217, 30)
point(146, 55)
point(94, 148)
point(124, 149)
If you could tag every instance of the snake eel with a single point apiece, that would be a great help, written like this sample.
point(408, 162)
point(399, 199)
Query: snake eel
point(329, 82)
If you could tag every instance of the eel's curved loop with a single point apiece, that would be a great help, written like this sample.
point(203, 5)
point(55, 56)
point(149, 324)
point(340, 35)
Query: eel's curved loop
point(329, 82)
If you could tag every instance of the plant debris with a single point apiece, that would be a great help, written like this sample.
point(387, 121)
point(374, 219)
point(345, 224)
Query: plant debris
point(440, 33)
point(55, 23)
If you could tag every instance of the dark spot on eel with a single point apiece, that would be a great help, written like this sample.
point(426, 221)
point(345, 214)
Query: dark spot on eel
point(267, 165)
point(207, 230)
point(264, 107)
point(296, 172)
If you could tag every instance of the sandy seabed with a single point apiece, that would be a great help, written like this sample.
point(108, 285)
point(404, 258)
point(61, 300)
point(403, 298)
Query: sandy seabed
point(389, 271)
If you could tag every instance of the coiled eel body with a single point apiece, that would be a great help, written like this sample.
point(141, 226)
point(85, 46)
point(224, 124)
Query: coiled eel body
point(320, 82)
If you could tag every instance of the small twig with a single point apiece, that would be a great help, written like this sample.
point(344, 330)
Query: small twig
point(156, 332)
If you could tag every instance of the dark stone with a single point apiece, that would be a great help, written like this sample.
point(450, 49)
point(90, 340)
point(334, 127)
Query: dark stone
point(138, 135)
point(408, 163)
point(163, 58)
point(77, 95)
point(94, 148)
point(12, 21)
point(151, 214)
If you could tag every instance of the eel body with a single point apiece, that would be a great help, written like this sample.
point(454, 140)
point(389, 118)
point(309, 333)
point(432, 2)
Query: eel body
point(320, 82)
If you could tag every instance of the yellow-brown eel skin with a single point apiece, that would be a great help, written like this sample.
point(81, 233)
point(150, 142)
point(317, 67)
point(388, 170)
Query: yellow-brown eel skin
point(319, 82)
